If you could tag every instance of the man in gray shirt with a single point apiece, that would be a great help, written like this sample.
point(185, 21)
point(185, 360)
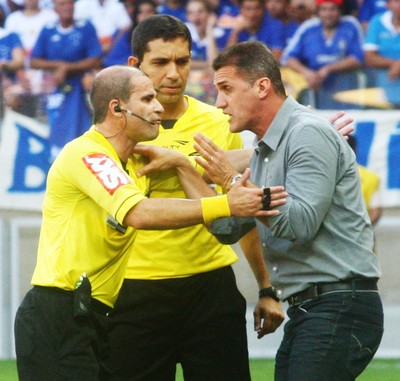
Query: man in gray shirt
point(318, 249)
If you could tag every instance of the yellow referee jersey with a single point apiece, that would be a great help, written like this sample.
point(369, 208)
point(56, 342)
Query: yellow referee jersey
point(86, 187)
point(188, 251)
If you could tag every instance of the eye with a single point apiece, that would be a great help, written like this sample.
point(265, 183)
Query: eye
point(148, 98)
point(160, 62)
point(182, 61)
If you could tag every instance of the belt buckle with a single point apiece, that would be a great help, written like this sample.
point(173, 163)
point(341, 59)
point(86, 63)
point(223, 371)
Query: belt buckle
point(308, 294)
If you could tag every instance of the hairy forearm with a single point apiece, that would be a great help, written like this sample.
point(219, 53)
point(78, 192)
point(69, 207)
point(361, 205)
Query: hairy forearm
point(375, 60)
point(155, 214)
point(240, 158)
point(251, 247)
point(192, 182)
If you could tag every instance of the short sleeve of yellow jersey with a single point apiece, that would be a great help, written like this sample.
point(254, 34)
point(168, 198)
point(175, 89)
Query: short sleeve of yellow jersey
point(94, 171)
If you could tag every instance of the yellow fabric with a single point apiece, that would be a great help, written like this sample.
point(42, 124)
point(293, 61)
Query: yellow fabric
point(85, 185)
point(215, 207)
point(188, 251)
point(369, 184)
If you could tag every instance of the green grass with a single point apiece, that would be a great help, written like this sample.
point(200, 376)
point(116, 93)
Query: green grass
point(262, 370)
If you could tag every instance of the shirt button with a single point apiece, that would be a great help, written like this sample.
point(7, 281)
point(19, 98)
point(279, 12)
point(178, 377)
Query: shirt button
point(264, 244)
point(275, 268)
point(278, 292)
point(266, 160)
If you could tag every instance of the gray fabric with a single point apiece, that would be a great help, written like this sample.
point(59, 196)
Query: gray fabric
point(230, 229)
point(323, 233)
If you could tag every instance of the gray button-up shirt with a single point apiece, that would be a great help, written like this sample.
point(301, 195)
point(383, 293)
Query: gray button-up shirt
point(323, 233)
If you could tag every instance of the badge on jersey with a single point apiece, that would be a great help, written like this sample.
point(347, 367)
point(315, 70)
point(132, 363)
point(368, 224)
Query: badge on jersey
point(106, 170)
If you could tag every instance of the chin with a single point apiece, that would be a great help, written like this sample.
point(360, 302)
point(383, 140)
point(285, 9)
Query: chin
point(235, 128)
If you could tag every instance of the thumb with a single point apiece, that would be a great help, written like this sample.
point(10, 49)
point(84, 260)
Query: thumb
point(144, 170)
point(142, 149)
point(245, 176)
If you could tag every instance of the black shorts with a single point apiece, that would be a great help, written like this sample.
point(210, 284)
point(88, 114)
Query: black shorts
point(52, 345)
point(198, 321)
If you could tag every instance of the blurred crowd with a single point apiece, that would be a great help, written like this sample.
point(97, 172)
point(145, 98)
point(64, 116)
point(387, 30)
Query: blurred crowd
point(50, 49)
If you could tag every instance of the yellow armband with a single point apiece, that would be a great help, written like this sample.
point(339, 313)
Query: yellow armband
point(215, 207)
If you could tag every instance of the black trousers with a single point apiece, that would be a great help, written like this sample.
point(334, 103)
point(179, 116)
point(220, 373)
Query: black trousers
point(52, 345)
point(197, 321)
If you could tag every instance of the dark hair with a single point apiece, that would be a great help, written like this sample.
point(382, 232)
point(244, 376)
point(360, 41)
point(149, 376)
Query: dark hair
point(252, 60)
point(261, 2)
point(137, 10)
point(154, 27)
point(111, 83)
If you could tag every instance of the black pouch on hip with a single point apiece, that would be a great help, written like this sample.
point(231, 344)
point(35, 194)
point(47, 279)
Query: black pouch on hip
point(82, 297)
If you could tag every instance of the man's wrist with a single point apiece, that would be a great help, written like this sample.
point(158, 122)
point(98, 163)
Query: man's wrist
point(268, 291)
point(214, 208)
point(235, 179)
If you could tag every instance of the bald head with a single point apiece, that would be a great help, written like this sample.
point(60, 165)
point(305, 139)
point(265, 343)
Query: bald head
point(114, 82)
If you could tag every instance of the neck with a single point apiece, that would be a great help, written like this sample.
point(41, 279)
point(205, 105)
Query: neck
point(31, 11)
point(176, 110)
point(123, 146)
point(273, 105)
point(66, 23)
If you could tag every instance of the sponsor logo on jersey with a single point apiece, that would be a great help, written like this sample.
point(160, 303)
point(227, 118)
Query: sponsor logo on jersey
point(106, 171)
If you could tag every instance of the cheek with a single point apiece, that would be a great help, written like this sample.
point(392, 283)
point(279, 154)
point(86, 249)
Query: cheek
point(184, 72)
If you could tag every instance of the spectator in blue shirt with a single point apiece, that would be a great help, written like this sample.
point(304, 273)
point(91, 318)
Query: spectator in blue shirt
point(382, 51)
point(280, 10)
point(253, 24)
point(67, 49)
point(173, 8)
point(11, 60)
point(370, 8)
point(11, 53)
point(327, 50)
point(207, 38)
point(121, 49)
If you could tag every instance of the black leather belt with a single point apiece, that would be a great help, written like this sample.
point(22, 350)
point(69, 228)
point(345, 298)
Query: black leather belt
point(322, 288)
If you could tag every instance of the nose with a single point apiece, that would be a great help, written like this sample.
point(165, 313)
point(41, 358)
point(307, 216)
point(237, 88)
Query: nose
point(220, 102)
point(158, 108)
point(172, 71)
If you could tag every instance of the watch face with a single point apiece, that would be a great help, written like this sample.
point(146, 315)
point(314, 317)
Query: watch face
point(236, 178)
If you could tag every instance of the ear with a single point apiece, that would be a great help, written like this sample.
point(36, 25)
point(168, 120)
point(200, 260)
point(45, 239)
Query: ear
point(264, 87)
point(133, 61)
point(113, 107)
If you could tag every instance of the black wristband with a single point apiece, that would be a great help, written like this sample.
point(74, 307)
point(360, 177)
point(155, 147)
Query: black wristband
point(269, 291)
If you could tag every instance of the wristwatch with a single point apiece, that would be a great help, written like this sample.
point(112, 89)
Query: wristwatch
point(236, 178)
point(269, 291)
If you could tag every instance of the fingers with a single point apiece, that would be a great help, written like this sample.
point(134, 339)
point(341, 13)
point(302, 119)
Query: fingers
point(336, 116)
point(205, 146)
point(148, 168)
point(142, 149)
point(245, 176)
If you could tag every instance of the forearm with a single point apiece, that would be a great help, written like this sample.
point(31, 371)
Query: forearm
point(240, 158)
point(251, 247)
point(16, 63)
point(348, 63)
point(192, 182)
point(41, 63)
point(11, 66)
point(296, 65)
point(157, 214)
point(375, 60)
point(233, 38)
point(82, 66)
